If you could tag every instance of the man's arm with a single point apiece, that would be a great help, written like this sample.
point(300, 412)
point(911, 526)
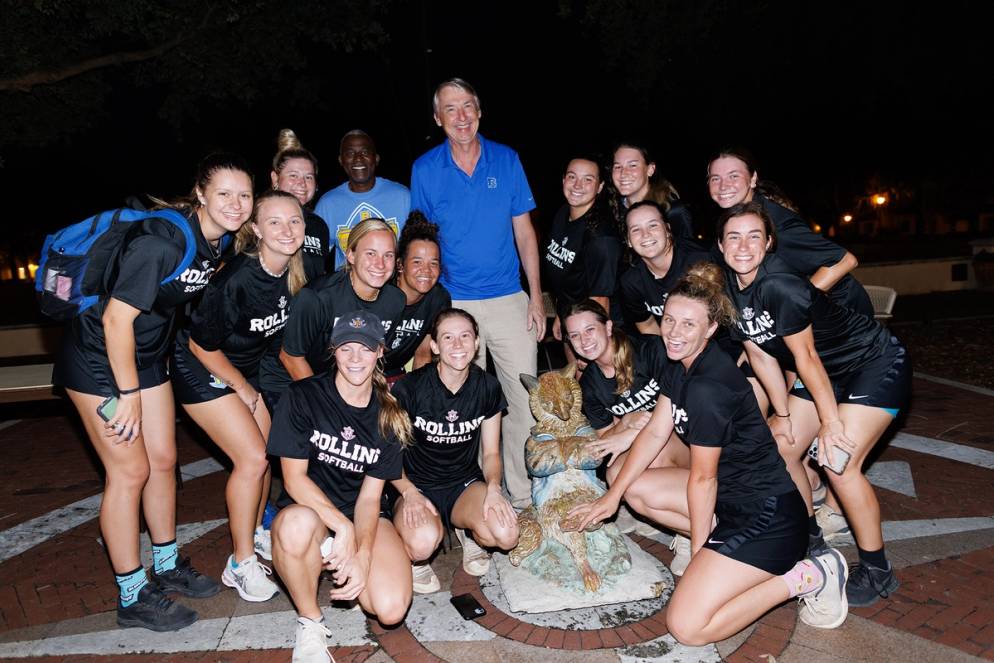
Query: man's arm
point(527, 245)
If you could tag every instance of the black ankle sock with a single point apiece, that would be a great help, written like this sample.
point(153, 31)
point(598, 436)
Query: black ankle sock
point(813, 528)
point(875, 558)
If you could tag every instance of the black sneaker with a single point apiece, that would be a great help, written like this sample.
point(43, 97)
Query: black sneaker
point(867, 584)
point(816, 545)
point(155, 611)
point(186, 580)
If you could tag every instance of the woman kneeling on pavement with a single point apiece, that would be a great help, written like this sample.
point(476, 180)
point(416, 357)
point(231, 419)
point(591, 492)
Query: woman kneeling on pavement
point(753, 560)
point(455, 407)
point(339, 437)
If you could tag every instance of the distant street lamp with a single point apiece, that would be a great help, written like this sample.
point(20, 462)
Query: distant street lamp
point(847, 218)
point(879, 199)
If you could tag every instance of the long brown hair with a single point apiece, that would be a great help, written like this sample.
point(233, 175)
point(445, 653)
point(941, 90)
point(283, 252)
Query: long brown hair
point(246, 241)
point(621, 348)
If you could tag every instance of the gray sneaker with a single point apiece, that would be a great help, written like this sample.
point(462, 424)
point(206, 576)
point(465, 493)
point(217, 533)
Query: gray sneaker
point(826, 607)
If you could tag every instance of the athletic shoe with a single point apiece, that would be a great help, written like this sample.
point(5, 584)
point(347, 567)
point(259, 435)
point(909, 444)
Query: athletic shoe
point(250, 580)
point(833, 524)
point(425, 580)
point(155, 611)
point(867, 584)
point(312, 642)
point(819, 494)
point(817, 545)
point(186, 580)
point(680, 545)
point(826, 607)
point(263, 540)
point(475, 560)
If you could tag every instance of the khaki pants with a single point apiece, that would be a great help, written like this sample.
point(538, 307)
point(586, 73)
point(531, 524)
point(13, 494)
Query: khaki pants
point(504, 331)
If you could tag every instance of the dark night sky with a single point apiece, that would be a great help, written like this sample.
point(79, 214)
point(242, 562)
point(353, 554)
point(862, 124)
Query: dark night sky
point(826, 97)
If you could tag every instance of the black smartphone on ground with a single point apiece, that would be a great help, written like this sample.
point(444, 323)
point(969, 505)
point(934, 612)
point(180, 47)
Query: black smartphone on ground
point(107, 408)
point(468, 606)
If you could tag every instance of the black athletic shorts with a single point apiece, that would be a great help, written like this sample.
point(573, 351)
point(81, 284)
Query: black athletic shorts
point(75, 370)
point(885, 382)
point(445, 499)
point(193, 383)
point(770, 533)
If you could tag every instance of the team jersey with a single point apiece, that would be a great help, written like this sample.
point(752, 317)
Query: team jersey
point(316, 245)
point(643, 295)
point(243, 311)
point(154, 249)
point(411, 328)
point(312, 315)
point(342, 443)
point(447, 426)
point(581, 258)
point(713, 406)
point(600, 402)
point(779, 303)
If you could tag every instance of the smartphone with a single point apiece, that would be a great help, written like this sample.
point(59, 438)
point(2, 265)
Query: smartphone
point(107, 408)
point(840, 457)
point(468, 606)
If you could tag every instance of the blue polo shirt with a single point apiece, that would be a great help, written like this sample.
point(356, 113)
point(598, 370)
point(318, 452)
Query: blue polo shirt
point(479, 256)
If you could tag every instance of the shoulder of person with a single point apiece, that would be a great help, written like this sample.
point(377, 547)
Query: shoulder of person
point(325, 281)
point(710, 390)
point(393, 296)
point(431, 157)
point(230, 269)
point(333, 195)
point(391, 186)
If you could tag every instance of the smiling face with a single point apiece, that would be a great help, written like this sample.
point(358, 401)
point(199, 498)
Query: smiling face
point(420, 269)
point(279, 225)
point(648, 233)
point(590, 338)
point(296, 178)
point(226, 202)
point(581, 184)
point(355, 362)
point(685, 329)
point(455, 342)
point(730, 182)
point(372, 260)
point(630, 174)
point(744, 244)
point(458, 114)
point(359, 160)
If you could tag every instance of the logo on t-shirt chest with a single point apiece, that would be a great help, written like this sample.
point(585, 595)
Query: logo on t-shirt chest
point(312, 245)
point(344, 452)
point(270, 324)
point(679, 418)
point(758, 329)
point(657, 310)
point(194, 279)
point(407, 328)
point(448, 432)
point(643, 399)
point(557, 254)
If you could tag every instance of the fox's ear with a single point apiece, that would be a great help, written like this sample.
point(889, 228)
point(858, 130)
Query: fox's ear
point(569, 371)
point(530, 381)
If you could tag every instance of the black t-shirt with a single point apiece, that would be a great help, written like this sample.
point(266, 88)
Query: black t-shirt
point(601, 404)
point(806, 252)
point(447, 426)
point(643, 295)
point(316, 245)
point(580, 261)
point(680, 220)
point(154, 248)
point(411, 328)
point(243, 311)
point(312, 315)
point(779, 303)
point(341, 443)
point(714, 406)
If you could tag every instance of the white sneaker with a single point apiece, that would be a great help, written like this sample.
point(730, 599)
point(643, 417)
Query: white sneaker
point(263, 543)
point(818, 495)
point(625, 521)
point(250, 579)
point(680, 545)
point(827, 606)
point(312, 642)
point(475, 560)
point(425, 580)
point(833, 524)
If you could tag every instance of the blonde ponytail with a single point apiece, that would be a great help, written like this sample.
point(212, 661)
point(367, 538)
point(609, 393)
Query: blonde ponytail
point(393, 419)
point(705, 283)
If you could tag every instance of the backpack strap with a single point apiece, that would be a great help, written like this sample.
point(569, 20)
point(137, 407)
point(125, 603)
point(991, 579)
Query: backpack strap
point(181, 222)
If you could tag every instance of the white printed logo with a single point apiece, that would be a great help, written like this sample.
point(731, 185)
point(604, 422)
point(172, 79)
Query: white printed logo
point(395, 344)
point(747, 313)
point(452, 415)
point(348, 433)
point(491, 182)
point(282, 302)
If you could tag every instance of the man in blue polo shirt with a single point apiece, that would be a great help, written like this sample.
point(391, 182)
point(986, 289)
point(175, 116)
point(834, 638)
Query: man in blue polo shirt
point(477, 193)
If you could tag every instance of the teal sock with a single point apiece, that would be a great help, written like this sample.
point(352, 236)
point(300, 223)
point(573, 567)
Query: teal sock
point(164, 556)
point(130, 584)
point(234, 564)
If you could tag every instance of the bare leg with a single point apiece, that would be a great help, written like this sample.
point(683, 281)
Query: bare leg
point(660, 494)
point(389, 586)
point(674, 454)
point(421, 541)
point(297, 536)
point(159, 431)
point(804, 426)
point(467, 513)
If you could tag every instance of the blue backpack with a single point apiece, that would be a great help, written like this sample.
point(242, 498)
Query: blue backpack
point(73, 272)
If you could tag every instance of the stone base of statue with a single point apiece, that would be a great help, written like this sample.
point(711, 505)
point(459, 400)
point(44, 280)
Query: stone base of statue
point(549, 580)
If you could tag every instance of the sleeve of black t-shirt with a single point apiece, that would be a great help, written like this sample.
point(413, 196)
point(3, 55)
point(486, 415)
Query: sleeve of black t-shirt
point(593, 407)
point(143, 264)
point(290, 434)
point(680, 220)
point(306, 323)
point(601, 256)
point(790, 298)
point(390, 463)
point(805, 251)
point(710, 423)
point(653, 353)
point(632, 304)
point(214, 318)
